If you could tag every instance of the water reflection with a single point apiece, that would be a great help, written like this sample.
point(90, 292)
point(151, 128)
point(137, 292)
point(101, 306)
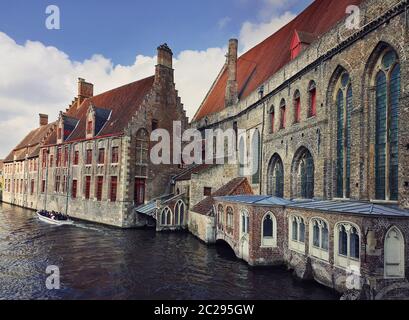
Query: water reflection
point(98, 262)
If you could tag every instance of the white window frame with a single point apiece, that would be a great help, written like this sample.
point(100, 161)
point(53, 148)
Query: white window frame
point(346, 262)
point(318, 252)
point(296, 245)
point(401, 274)
point(268, 242)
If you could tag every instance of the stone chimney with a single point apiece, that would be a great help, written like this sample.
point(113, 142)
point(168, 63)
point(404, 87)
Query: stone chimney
point(231, 86)
point(164, 67)
point(43, 119)
point(85, 90)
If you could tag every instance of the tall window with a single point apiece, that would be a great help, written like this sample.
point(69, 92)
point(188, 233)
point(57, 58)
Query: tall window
point(59, 155)
point(166, 217)
point(142, 153)
point(76, 157)
point(114, 186)
point(101, 156)
point(180, 213)
point(245, 222)
point(313, 99)
point(99, 185)
point(320, 239)
point(89, 127)
point(32, 186)
point(139, 191)
point(255, 156)
point(344, 109)
point(347, 239)
point(220, 217)
point(74, 189)
point(304, 181)
point(387, 123)
point(297, 233)
point(272, 119)
point(276, 177)
point(115, 155)
point(283, 114)
point(87, 187)
point(297, 107)
point(66, 156)
point(230, 217)
point(89, 157)
point(57, 183)
point(269, 231)
point(394, 254)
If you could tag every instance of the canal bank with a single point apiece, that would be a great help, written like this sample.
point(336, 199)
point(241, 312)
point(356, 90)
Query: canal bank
point(98, 262)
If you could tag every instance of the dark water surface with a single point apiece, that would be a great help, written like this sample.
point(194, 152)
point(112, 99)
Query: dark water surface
point(98, 262)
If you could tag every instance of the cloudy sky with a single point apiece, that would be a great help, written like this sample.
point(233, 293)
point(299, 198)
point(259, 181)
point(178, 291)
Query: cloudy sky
point(111, 43)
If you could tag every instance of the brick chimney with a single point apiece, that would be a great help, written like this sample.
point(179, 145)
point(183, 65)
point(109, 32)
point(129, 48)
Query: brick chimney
point(43, 119)
point(231, 86)
point(164, 67)
point(85, 90)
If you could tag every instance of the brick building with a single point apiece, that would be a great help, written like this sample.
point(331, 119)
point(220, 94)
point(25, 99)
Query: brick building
point(327, 105)
point(93, 162)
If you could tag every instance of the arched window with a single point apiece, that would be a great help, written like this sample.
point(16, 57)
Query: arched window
point(276, 177)
point(142, 153)
point(269, 231)
point(297, 107)
point(180, 213)
point(319, 243)
point(312, 89)
point(297, 233)
point(388, 87)
point(242, 156)
point(220, 217)
point(283, 114)
point(272, 119)
point(347, 248)
point(255, 156)
point(244, 222)
point(394, 254)
point(304, 175)
point(230, 220)
point(166, 217)
point(344, 109)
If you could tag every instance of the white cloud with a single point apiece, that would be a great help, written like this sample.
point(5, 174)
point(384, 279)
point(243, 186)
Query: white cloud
point(36, 79)
point(223, 22)
point(253, 33)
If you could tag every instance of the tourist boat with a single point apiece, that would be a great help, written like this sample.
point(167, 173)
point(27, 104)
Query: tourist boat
point(54, 221)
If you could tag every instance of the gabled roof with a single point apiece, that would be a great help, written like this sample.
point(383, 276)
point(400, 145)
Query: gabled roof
point(261, 62)
point(186, 174)
point(30, 145)
point(114, 109)
point(234, 187)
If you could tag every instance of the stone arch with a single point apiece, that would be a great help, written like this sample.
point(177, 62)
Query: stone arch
point(394, 253)
point(269, 230)
point(303, 174)
point(275, 181)
point(166, 217)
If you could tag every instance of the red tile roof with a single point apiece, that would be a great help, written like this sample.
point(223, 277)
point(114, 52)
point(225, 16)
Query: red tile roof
point(237, 186)
point(123, 102)
point(261, 62)
point(30, 145)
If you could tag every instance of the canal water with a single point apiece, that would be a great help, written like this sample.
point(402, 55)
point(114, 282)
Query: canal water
point(98, 262)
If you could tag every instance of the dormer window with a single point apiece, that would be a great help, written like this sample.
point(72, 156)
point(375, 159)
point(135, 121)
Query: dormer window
point(300, 41)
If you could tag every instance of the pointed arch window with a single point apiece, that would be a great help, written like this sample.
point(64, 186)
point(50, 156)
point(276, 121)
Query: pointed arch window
point(220, 217)
point(166, 217)
point(269, 230)
point(344, 109)
point(388, 87)
point(312, 89)
point(347, 245)
point(180, 213)
point(276, 177)
point(394, 254)
point(305, 176)
point(283, 114)
point(297, 233)
point(255, 156)
point(297, 107)
point(272, 119)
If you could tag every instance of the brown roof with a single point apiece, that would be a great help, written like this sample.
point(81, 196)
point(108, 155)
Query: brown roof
point(237, 186)
point(261, 62)
point(30, 145)
point(122, 102)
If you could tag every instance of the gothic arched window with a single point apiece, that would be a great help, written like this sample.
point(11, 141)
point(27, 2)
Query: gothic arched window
point(297, 107)
point(344, 109)
point(387, 84)
point(276, 177)
point(283, 114)
point(304, 175)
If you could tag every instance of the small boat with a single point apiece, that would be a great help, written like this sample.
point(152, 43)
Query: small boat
point(54, 221)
